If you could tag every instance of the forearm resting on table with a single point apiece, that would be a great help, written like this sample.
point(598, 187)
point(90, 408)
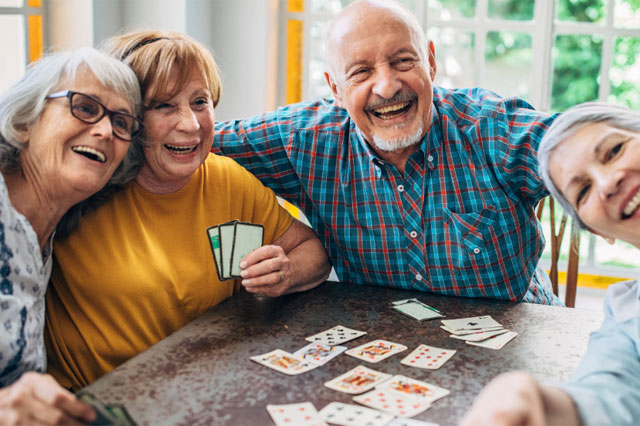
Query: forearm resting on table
point(559, 408)
point(309, 261)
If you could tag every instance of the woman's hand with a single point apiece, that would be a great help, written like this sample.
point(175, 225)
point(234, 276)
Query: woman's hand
point(38, 399)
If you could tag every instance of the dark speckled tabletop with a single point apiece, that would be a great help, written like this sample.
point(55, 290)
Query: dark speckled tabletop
point(202, 374)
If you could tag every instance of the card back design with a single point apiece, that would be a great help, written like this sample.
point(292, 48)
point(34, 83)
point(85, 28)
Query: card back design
point(248, 237)
point(214, 240)
point(227, 237)
point(416, 309)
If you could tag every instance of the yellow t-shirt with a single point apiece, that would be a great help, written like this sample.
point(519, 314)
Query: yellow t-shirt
point(140, 267)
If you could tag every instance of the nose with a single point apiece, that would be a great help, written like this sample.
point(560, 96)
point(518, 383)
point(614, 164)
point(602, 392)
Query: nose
point(102, 128)
point(386, 82)
point(187, 121)
point(608, 182)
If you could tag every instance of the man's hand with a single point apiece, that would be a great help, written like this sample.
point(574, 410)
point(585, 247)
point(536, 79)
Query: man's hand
point(38, 399)
point(266, 270)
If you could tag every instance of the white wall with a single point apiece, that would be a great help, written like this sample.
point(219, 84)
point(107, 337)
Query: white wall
point(242, 35)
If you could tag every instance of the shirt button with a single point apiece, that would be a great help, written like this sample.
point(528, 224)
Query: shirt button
point(430, 159)
point(419, 277)
point(400, 188)
point(413, 234)
point(476, 250)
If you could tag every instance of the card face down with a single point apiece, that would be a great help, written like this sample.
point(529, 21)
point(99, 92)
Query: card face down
point(227, 237)
point(415, 309)
point(248, 237)
point(214, 240)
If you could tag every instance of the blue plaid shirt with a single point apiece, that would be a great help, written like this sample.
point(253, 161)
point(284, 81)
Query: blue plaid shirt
point(460, 221)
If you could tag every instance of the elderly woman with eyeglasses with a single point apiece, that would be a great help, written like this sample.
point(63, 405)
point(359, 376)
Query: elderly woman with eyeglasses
point(590, 162)
point(65, 128)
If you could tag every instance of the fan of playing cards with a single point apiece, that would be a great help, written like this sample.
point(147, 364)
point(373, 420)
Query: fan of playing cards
point(230, 242)
point(382, 397)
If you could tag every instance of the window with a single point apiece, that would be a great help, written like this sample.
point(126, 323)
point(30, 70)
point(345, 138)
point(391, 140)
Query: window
point(553, 53)
point(21, 30)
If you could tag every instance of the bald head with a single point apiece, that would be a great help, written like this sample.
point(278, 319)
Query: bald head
point(373, 14)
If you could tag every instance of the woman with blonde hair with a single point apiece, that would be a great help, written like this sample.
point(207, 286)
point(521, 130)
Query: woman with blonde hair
point(139, 267)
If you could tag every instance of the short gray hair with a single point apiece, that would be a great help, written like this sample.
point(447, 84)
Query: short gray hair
point(22, 104)
point(567, 124)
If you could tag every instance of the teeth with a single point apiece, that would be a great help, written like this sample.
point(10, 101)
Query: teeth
point(633, 205)
point(181, 149)
point(392, 108)
point(97, 155)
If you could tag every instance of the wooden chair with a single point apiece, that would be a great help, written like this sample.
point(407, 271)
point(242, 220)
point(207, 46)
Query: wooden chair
point(556, 242)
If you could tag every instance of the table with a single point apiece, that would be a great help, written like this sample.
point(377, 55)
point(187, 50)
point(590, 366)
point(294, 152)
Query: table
point(202, 374)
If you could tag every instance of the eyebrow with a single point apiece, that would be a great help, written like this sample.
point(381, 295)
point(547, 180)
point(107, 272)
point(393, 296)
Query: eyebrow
point(394, 54)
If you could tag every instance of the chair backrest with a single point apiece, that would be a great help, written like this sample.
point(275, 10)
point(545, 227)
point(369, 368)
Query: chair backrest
point(555, 238)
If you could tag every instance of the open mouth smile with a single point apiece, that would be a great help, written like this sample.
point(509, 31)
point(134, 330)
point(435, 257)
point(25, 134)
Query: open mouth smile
point(391, 111)
point(631, 206)
point(90, 153)
point(182, 150)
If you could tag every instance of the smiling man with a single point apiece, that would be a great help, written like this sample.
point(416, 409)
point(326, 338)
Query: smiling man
point(408, 186)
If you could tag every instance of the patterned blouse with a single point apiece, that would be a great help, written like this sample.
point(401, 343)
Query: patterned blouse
point(24, 274)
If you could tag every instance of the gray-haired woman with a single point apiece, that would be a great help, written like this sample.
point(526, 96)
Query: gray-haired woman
point(64, 130)
point(589, 160)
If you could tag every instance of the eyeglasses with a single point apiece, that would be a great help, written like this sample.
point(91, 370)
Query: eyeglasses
point(89, 110)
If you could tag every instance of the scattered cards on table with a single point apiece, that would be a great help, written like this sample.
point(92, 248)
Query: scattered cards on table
point(428, 357)
point(302, 414)
point(107, 414)
point(336, 335)
point(230, 242)
point(376, 350)
point(481, 331)
point(319, 353)
point(416, 309)
point(357, 380)
point(284, 362)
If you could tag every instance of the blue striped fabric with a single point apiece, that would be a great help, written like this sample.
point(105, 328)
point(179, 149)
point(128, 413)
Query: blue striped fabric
point(459, 222)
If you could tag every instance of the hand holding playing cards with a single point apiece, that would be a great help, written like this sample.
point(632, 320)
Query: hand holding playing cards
point(296, 261)
point(38, 399)
point(516, 398)
point(266, 270)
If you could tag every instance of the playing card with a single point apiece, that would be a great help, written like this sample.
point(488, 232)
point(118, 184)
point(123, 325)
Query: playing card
point(428, 357)
point(120, 412)
point(357, 380)
point(416, 309)
point(336, 335)
point(478, 335)
point(284, 362)
point(376, 350)
point(214, 240)
point(401, 421)
point(248, 237)
point(472, 323)
point(353, 415)
point(496, 342)
point(396, 404)
point(319, 353)
point(302, 414)
point(414, 389)
point(227, 236)
point(103, 416)
point(465, 332)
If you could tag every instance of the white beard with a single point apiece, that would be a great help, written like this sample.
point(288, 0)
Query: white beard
point(399, 142)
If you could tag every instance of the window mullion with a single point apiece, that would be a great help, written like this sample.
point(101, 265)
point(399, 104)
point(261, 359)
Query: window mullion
point(481, 40)
point(542, 47)
point(607, 54)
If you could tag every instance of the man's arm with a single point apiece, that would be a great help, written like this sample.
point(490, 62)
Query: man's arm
point(297, 261)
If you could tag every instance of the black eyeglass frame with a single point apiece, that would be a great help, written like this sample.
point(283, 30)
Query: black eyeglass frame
point(105, 111)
